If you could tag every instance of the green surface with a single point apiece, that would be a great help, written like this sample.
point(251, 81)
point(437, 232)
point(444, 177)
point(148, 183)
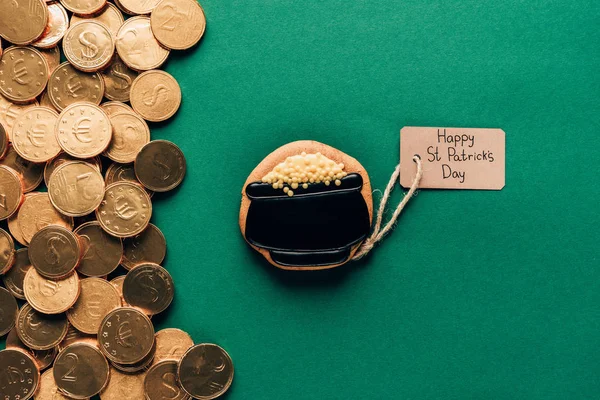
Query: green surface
point(476, 295)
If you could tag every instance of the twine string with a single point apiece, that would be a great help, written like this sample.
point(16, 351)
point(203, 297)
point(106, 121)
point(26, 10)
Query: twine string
point(378, 232)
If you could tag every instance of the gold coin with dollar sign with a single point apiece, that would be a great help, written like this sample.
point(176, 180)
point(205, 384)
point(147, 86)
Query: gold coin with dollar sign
point(155, 95)
point(117, 80)
point(89, 46)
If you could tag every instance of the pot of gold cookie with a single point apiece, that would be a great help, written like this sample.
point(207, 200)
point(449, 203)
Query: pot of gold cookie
point(307, 206)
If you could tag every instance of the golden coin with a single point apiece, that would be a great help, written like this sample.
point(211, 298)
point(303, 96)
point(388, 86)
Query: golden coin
point(89, 46)
point(29, 173)
point(117, 80)
point(76, 188)
point(178, 24)
point(7, 253)
point(11, 192)
point(84, 7)
point(68, 85)
point(63, 158)
point(110, 16)
point(9, 310)
point(21, 375)
point(171, 344)
point(48, 389)
point(39, 331)
point(118, 284)
point(137, 46)
point(25, 74)
point(161, 382)
point(205, 371)
point(150, 246)
point(50, 296)
point(126, 336)
point(74, 336)
point(42, 358)
point(9, 112)
point(149, 287)
point(36, 213)
point(54, 252)
point(14, 278)
point(124, 386)
point(81, 371)
point(102, 252)
point(98, 297)
point(155, 95)
point(130, 134)
point(115, 107)
point(121, 173)
point(3, 141)
point(137, 367)
point(125, 210)
point(137, 7)
point(58, 23)
point(33, 135)
point(52, 56)
point(15, 229)
point(22, 21)
point(83, 130)
point(160, 166)
point(46, 102)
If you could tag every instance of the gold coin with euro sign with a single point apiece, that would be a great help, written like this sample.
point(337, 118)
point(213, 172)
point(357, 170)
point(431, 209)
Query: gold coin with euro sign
point(25, 72)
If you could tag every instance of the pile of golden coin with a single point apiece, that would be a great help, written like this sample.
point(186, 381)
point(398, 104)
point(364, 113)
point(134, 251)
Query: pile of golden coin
point(84, 329)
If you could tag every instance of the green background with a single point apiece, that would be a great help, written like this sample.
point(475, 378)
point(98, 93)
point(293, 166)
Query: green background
point(475, 295)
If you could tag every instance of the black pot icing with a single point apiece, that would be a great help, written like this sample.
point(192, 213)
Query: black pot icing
point(318, 226)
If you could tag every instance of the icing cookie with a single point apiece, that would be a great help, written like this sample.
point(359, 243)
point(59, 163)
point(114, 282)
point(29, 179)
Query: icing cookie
point(307, 206)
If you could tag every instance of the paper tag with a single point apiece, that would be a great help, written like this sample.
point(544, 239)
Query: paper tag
point(453, 158)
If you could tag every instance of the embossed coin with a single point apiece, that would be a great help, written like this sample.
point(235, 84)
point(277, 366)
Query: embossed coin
point(138, 7)
point(118, 284)
point(171, 344)
point(9, 112)
point(98, 297)
point(115, 107)
point(150, 246)
point(205, 371)
point(7, 253)
point(117, 80)
point(68, 85)
point(125, 210)
point(25, 74)
point(74, 336)
point(58, 23)
point(54, 252)
point(110, 16)
point(161, 382)
point(36, 213)
point(155, 95)
point(48, 389)
point(13, 279)
point(21, 375)
point(11, 192)
point(138, 366)
point(84, 7)
point(102, 252)
point(89, 46)
point(178, 24)
point(124, 386)
point(22, 21)
point(52, 56)
point(126, 336)
point(63, 158)
point(30, 173)
point(137, 46)
point(42, 358)
point(46, 102)
point(33, 135)
point(3, 140)
point(81, 371)
point(9, 310)
point(39, 331)
point(122, 173)
point(149, 287)
point(50, 296)
point(130, 134)
point(76, 188)
point(160, 166)
point(83, 130)
point(15, 229)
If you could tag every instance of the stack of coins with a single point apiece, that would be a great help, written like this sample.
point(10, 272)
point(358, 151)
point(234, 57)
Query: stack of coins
point(87, 326)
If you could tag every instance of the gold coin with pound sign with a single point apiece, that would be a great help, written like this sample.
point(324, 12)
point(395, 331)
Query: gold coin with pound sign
point(54, 252)
point(137, 46)
point(110, 16)
point(178, 24)
point(125, 210)
point(50, 296)
point(98, 297)
point(68, 85)
point(89, 46)
point(76, 188)
point(126, 336)
point(155, 95)
point(25, 74)
point(11, 192)
point(205, 371)
point(81, 371)
point(21, 374)
point(33, 135)
point(22, 21)
point(83, 130)
point(40, 331)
